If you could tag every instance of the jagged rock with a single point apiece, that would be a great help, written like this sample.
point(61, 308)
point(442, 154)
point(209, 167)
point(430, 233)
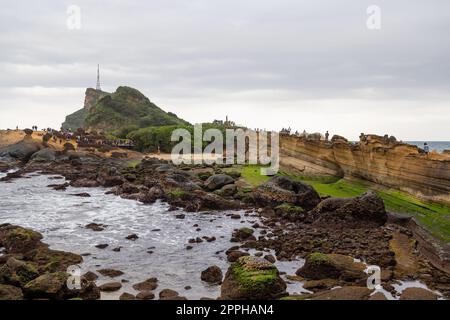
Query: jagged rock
point(363, 210)
point(332, 266)
point(252, 278)
point(212, 274)
point(280, 189)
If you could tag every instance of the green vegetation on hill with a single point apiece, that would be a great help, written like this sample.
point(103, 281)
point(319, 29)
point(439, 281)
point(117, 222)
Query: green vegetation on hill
point(435, 217)
point(76, 120)
point(148, 139)
point(127, 109)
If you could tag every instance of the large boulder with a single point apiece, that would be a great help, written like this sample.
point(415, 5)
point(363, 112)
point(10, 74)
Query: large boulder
point(332, 266)
point(280, 190)
point(251, 278)
point(365, 210)
point(217, 181)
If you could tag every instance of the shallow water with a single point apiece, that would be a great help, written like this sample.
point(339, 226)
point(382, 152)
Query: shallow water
point(61, 218)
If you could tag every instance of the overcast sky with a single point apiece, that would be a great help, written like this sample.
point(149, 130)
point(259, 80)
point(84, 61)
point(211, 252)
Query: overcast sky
point(310, 65)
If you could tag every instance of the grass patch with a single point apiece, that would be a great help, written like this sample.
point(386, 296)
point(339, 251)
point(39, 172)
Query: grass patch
point(252, 175)
point(178, 193)
point(433, 216)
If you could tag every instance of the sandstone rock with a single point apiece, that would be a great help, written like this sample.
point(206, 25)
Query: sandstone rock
point(168, 294)
point(332, 266)
point(280, 189)
point(132, 237)
point(217, 181)
point(212, 274)
point(418, 294)
point(362, 210)
point(252, 278)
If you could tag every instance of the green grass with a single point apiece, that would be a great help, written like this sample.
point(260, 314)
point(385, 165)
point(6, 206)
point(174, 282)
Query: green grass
point(433, 216)
point(252, 175)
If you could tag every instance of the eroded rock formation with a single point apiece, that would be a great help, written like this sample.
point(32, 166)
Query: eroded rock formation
point(378, 159)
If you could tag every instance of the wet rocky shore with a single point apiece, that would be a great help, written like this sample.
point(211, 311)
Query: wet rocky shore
point(337, 238)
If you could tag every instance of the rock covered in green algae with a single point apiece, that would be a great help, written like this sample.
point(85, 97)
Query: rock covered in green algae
point(332, 266)
point(19, 240)
point(17, 272)
point(252, 278)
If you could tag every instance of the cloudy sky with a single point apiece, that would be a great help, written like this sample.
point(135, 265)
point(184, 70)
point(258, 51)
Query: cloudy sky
point(311, 65)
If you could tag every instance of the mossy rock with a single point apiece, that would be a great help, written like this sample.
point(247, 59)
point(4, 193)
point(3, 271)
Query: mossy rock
point(49, 286)
point(17, 272)
point(49, 260)
point(289, 208)
point(252, 278)
point(19, 240)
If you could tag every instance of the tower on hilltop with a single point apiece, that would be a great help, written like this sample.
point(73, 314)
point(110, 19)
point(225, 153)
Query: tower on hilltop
point(98, 78)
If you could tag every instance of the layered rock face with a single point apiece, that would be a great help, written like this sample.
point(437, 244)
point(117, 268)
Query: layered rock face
point(374, 158)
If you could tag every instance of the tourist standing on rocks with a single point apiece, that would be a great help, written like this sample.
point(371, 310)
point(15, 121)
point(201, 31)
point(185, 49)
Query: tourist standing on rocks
point(426, 148)
point(327, 135)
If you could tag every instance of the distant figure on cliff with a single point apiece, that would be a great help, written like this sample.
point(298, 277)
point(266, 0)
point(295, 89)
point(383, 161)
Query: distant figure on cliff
point(426, 148)
point(327, 135)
